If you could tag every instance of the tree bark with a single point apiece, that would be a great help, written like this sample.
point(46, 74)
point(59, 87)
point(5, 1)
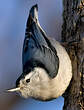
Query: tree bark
point(73, 39)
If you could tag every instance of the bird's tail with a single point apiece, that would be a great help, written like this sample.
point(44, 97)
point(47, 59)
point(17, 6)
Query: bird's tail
point(33, 26)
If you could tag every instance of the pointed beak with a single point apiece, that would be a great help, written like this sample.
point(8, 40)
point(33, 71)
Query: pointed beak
point(13, 90)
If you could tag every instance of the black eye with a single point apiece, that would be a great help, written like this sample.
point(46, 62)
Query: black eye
point(28, 80)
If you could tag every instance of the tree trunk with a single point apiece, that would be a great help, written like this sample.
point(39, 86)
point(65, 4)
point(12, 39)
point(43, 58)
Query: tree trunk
point(73, 39)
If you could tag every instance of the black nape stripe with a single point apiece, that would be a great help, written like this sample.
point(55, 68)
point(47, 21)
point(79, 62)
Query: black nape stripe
point(30, 65)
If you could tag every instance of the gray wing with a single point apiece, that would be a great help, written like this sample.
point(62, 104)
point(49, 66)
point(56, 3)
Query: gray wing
point(38, 50)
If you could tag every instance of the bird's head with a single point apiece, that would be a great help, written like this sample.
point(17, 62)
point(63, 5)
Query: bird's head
point(34, 84)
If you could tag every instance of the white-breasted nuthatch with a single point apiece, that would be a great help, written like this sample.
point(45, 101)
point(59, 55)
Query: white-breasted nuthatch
point(47, 68)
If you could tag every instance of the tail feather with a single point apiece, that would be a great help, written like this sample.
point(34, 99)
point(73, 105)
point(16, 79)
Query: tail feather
point(34, 27)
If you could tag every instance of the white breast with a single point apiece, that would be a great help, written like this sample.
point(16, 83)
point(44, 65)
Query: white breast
point(63, 78)
point(49, 88)
point(41, 86)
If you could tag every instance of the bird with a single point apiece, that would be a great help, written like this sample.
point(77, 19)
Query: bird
point(47, 68)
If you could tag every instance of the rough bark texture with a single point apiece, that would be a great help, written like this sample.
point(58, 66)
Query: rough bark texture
point(73, 38)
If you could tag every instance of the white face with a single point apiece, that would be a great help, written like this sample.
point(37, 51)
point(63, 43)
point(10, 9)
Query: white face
point(36, 84)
